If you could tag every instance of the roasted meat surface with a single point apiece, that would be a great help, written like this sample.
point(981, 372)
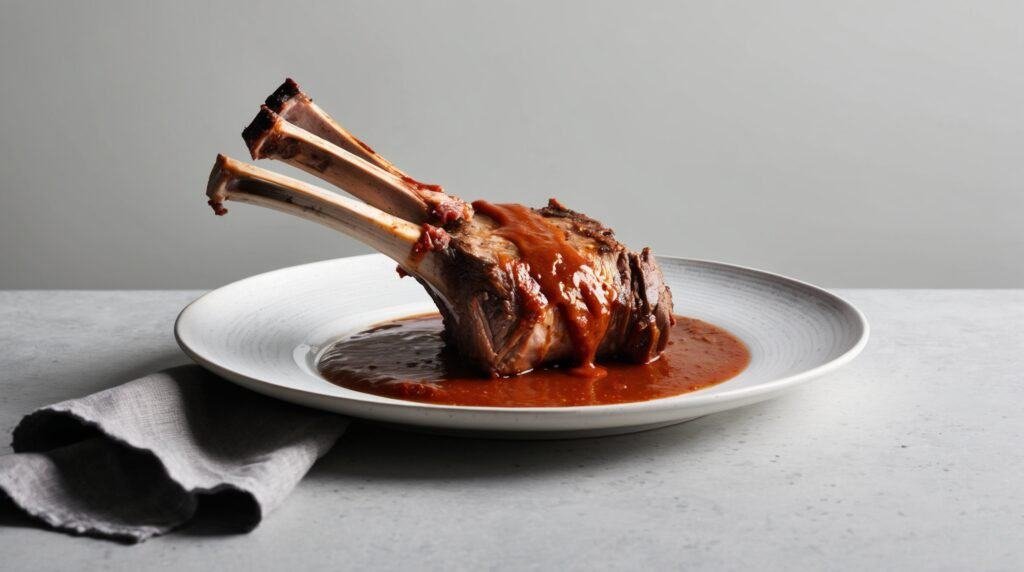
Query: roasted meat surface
point(517, 287)
point(499, 315)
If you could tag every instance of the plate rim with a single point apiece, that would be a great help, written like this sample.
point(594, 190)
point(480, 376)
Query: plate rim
point(691, 400)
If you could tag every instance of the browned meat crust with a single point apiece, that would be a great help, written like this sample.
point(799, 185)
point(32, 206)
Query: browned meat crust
point(493, 316)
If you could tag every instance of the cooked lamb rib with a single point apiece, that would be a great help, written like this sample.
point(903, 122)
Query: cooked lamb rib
point(293, 129)
point(517, 287)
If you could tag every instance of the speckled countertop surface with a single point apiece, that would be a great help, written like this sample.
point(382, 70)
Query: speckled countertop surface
point(909, 458)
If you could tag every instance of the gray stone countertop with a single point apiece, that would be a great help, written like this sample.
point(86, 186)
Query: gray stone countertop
point(909, 458)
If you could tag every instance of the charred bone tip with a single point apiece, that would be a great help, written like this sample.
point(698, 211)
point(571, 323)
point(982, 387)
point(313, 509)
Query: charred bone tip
point(283, 94)
point(256, 133)
point(215, 186)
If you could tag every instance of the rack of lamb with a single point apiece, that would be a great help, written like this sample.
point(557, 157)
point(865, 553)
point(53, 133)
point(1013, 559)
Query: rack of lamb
point(517, 287)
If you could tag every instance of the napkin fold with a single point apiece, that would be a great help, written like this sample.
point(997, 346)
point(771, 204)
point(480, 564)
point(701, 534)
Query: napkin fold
point(134, 461)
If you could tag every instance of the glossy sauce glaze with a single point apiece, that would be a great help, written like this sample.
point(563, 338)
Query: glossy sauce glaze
point(565, 277)
point(407, 359)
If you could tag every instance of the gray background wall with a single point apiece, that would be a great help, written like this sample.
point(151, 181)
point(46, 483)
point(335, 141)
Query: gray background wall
point(846, 143)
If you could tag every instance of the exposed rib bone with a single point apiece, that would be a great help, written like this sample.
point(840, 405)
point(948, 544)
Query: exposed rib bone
point(270, 136)
point(232, 180)
point(294, 107)
point(297, 108)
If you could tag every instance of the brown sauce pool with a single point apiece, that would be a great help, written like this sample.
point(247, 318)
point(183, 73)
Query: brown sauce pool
point(407, 359)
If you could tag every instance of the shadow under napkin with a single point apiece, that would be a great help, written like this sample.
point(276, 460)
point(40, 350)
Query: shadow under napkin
point(135, 460)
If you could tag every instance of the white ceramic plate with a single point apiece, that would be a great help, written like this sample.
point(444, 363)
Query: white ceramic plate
point(265, 333)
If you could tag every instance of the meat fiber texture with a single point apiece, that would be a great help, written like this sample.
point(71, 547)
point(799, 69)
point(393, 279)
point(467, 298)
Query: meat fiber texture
point(491, 312)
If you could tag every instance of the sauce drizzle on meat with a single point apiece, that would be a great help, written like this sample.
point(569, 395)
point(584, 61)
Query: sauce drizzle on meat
point(565, 277)
point(408, 359)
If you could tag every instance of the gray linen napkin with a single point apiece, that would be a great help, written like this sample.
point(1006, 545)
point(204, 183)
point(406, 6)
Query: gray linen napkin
point(133, 461)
